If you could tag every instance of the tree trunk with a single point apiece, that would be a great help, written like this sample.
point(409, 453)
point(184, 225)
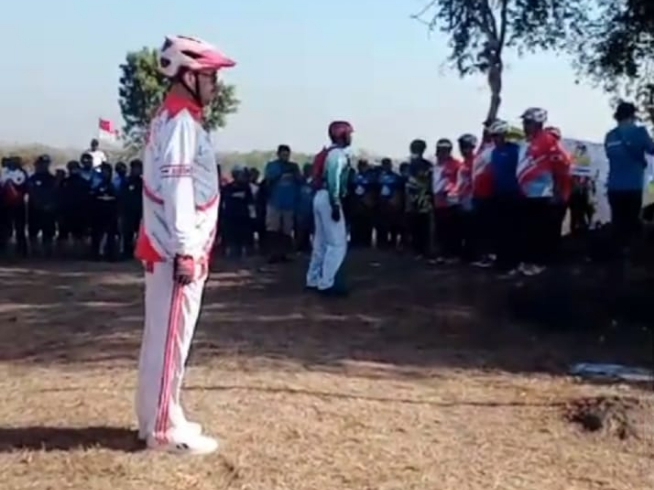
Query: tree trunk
point(495, 86)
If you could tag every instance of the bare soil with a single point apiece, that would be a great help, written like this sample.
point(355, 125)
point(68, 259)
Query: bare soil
point(424, 379)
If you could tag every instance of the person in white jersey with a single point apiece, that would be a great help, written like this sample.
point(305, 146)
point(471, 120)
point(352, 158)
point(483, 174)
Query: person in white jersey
point(180, 212)
point(99, 156)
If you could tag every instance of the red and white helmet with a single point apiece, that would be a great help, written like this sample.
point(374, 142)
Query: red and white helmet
point(554, 131)
point(182, 52)
point(339, 129)
point(535, 114)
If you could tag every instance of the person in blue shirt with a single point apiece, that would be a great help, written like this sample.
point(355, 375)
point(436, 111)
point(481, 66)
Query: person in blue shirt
point(363, 195)
point(88, 172)
point(120, 176)
point(626, 146)
point(506, 199)
point(282, 182)
point(390, 211)
point(104, 227)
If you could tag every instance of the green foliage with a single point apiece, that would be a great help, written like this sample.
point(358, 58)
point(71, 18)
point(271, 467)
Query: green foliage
point(141, 92)
point(617, 42)
point(615, 50)
point(526, 25)
point(479, 32)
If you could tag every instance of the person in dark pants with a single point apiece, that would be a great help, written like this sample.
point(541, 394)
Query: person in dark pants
point(544, 178)
point(131, 207)
point(447, 209)
point(389, 206)
point(41, 207)
point(13, 189)
point(237, 212)
point(283, 179)
point(626, 146)
point(73, 209)
point(260, 193)
point(120, 175)
point(505, 203)
point(304, 224)
point(363, 196)
point(467, 144)
point(419, 199)
point(483, 237)
point(580, 205)
point(404, 229)
point(4, 211)
point(104, 225)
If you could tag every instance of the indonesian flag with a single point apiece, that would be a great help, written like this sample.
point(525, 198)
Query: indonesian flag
point(107, 131)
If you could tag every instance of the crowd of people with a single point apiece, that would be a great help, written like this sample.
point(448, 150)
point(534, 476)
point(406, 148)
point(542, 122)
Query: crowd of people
point(477, 207)
point(92, 208)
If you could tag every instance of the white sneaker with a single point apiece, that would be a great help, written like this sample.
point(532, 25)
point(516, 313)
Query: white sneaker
point(531, 270)
point(484, 263)
point(193, 429)
point(509, 274)
point(196, 445)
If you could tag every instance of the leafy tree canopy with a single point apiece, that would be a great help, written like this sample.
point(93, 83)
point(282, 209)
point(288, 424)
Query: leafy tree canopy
point(617, 41)
point(614, 50)
point(141, 91)
point(479, 31)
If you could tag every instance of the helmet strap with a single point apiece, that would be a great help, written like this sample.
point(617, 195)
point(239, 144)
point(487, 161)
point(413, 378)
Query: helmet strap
point(195, 91)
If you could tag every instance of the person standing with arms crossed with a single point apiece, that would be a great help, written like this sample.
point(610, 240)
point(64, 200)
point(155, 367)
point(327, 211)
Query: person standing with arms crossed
point(181, 197)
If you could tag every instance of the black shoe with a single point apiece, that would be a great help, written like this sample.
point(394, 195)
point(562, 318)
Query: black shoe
point(334, 292)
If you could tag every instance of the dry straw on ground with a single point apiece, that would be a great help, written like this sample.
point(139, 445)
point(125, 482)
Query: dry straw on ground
point(401, 387)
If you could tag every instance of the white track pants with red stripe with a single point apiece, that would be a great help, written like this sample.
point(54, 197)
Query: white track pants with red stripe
point(171, 313)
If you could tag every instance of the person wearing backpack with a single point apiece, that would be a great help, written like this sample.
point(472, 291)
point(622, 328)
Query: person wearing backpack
point(331, 172)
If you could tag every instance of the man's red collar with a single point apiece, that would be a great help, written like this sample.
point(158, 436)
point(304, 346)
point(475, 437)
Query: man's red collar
point(174, 104)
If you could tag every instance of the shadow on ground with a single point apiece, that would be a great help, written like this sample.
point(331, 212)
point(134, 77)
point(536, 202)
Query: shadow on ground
point(402, 313)
point(68, 438)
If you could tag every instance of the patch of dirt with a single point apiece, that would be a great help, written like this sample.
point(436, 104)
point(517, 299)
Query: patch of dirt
point(613, 416)
point(421, 380)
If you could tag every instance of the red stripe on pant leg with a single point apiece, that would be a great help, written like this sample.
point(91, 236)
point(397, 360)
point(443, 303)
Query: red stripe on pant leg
point(169, 363)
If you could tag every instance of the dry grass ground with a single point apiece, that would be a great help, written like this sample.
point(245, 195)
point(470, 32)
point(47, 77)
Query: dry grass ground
point(424, 379)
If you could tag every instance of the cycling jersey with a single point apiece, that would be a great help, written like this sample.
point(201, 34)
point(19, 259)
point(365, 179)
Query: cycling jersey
point(544, 167)
point(180, 186)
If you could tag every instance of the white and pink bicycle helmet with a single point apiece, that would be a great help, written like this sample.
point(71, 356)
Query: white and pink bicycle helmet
point(183, 52)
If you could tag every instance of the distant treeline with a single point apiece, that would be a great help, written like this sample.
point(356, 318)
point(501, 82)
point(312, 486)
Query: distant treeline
point(60, 157)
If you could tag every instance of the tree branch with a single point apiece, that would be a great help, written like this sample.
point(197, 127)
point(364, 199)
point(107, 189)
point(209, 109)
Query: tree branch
point(504, 21)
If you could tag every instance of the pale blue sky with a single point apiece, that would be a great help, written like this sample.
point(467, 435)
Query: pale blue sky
point(60, 72)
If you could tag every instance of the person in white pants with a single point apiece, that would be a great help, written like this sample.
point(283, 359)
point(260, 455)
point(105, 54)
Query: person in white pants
point(330, 237)
point(181, 198)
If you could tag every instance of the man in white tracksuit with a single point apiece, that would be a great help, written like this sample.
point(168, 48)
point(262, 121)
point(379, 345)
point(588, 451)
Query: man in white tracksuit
point(330, 237)
point(180, 213)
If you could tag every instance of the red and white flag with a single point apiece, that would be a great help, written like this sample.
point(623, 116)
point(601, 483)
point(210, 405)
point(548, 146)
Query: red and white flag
point(107, 131)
